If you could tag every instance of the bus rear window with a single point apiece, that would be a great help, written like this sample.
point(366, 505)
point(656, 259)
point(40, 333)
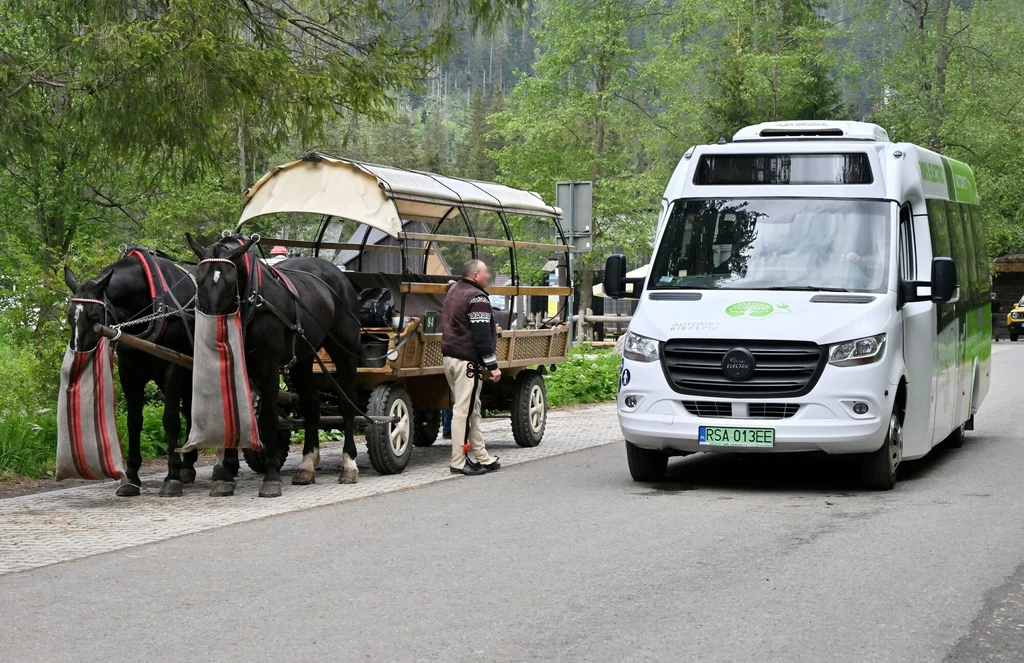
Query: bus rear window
point(754, 169)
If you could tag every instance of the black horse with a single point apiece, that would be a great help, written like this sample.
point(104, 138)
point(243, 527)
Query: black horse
point(132, 288)
point(323, 306)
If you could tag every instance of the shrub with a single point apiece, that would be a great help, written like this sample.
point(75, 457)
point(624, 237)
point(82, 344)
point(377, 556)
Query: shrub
point(28, 447)
point(587, 376)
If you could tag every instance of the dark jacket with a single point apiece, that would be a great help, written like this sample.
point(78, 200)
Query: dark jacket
point(467, 325)
point(997, 306)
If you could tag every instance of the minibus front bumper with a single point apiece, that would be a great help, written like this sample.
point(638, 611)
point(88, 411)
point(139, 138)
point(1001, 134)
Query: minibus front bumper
point(824, 419)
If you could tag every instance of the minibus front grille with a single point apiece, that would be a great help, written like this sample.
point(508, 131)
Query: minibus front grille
point(725, 410)
point(772, 410)
point(708, 408)
point(783, 369)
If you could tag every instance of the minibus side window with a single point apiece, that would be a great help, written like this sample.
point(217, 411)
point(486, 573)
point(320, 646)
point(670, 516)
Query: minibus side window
point(977, 227)
point(974, 294)
point(938, 228)
point(907, 254)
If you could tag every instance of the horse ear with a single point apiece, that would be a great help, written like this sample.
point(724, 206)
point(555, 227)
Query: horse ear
point(196, 247)
point(234, 253)
point(104, 281)
point(70, 280)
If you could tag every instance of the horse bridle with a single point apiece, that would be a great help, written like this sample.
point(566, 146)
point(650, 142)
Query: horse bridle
point(103, 304)
point(238, 296)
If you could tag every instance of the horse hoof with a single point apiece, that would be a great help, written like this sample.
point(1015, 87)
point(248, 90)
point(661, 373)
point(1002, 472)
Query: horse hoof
point(348, 476)
point(171, 488)
point(223, 488)
point(270, 489)
point(128, 490)
point(303, 478)
point(188, 475)
point(218, 473)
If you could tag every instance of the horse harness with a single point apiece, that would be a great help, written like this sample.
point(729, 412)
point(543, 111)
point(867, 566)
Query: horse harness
point(158, 292)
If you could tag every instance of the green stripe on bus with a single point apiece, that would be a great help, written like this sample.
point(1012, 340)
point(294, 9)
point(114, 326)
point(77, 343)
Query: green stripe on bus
point(962, 181)
point(950, 191)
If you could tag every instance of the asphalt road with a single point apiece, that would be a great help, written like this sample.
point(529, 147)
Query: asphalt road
point(733, 559)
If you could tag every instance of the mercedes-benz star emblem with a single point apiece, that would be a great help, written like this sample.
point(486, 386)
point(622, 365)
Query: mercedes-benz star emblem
point(738, 364)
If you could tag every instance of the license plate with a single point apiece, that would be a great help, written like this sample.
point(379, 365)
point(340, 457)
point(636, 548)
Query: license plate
point(737, 437)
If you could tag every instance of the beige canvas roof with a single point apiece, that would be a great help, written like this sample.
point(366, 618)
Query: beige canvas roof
point(379, 196)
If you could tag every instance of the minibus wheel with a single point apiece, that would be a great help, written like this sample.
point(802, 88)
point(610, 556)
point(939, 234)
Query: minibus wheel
point(646, 464)
point(955, 440)
point(878, 468)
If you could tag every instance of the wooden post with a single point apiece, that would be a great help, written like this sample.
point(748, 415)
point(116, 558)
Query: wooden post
point(145, 346)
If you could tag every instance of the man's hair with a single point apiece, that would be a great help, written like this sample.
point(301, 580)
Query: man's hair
point(471, 266)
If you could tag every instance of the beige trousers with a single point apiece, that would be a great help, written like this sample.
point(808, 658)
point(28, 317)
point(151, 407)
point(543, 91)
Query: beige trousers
point(465, 411)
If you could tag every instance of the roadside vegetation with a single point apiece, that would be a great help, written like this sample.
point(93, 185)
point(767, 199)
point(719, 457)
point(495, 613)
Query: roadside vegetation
point(589, 375)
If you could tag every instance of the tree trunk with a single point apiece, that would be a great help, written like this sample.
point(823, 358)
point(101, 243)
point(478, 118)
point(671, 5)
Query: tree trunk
point(241, 154)
point(941, 64)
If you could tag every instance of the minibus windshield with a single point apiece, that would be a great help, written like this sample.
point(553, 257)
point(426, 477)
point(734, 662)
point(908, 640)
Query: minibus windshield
point(793, 243)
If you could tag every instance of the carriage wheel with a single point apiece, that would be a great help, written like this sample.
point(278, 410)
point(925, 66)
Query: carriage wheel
point(529, 409)
point(256, 460)
point(390, 445)
point(426, 426)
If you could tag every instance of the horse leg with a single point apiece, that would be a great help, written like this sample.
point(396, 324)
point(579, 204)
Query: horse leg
point(188, 468)
point(134, 397)
point(224, 479)
point(309, 405)
point(172, 432)
point(345, 375)
point(268, 381)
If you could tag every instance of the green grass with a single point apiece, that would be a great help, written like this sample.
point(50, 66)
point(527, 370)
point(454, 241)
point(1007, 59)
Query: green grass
point(587, 376)
point(28, 444)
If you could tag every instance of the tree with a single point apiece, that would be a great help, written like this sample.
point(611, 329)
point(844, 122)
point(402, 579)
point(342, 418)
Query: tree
point(776, 65)
point(952, 82)
point(473, 158)
point(576, 119)
point(106, 105)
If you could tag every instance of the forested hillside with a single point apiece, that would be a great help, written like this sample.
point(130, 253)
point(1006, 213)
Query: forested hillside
point(133, 121)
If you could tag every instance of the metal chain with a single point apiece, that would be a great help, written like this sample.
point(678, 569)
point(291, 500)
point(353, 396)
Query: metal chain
point(164, 313)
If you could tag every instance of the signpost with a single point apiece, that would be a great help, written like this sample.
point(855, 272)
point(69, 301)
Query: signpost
point(577, 202)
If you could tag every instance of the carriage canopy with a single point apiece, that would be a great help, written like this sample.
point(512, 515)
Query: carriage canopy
point(380, 196)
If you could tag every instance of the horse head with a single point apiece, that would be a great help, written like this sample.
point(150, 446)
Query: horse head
point(87, 309)
point(221, 274)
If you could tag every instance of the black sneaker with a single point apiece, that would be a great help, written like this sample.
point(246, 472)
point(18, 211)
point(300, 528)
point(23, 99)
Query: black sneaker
point(493, 466)
point(468, 470)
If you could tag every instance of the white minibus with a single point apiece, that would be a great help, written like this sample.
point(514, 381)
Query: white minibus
point(814, 287)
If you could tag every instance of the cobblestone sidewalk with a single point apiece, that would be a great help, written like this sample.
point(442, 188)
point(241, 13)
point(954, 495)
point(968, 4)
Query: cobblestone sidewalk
point(62, 525)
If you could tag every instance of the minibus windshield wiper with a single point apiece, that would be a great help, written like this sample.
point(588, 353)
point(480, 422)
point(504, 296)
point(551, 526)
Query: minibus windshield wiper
point(810, 288)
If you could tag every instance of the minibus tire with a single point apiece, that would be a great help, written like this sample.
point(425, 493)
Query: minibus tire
point(955, 440)
point(878, 469)
point(646, 464)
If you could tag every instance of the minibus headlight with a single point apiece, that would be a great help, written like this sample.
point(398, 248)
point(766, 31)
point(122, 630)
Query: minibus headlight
point(639, 348)
point(857, 353)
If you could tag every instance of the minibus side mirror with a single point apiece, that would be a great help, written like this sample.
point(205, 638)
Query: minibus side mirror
point(614, 275)
point(943, 280)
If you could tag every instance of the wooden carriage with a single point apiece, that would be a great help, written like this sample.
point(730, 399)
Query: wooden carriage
point(398, 223)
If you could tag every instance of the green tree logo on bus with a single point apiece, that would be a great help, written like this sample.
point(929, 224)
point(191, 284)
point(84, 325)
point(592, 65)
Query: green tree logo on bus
point(755, 310)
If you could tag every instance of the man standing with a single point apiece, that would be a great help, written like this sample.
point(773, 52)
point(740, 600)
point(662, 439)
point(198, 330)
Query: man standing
point(997, 306)
point(468, 338)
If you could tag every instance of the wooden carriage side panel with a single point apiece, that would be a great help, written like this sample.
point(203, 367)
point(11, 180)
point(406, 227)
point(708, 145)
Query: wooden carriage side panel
point(431, 350)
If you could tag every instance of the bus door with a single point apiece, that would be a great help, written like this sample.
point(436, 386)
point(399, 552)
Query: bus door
point(918, 340)
point(946, 350)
